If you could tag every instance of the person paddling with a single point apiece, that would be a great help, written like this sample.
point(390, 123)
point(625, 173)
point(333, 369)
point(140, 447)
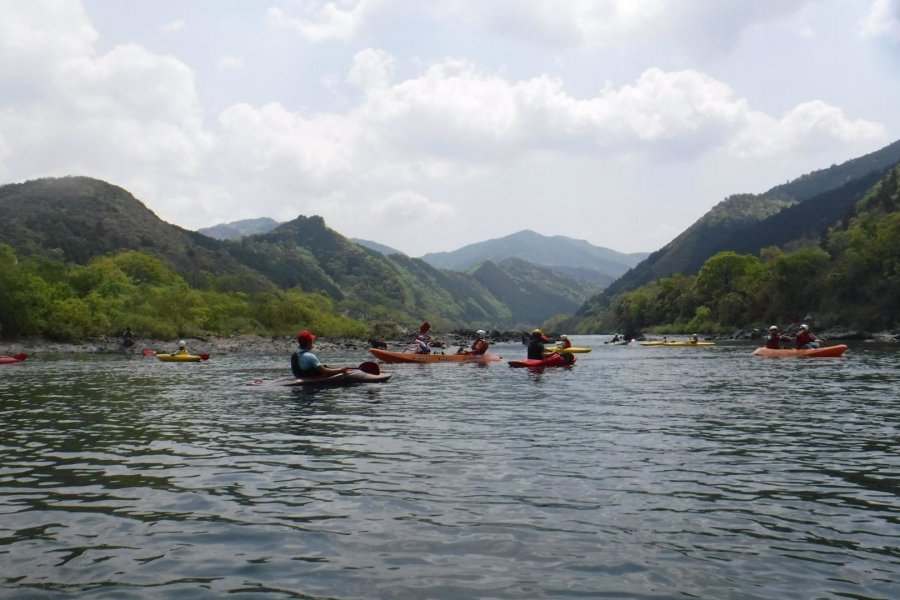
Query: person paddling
point(479, 346)
point(536, 344)
point(774, 338)
point(805, 338)
point(305, 364)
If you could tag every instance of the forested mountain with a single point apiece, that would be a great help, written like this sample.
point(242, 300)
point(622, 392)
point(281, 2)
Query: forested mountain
point(238, 229)
point(78, 221)
point(797, 210)
point(75, 219)
point(841, 269)
point(576, 258)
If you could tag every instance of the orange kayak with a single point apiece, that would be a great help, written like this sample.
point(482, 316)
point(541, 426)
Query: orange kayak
point(806, 352)
point(411, 357)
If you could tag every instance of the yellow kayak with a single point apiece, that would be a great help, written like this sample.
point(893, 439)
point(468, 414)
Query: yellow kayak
point(166, 357)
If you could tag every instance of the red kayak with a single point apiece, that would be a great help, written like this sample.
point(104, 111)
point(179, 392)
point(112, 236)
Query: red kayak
point(553, 360)
point(8, 360)
point(827, 351)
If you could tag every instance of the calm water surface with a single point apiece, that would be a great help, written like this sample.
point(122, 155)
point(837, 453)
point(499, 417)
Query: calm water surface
point(638, 473)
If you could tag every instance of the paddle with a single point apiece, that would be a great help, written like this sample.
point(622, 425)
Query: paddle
point(20, 356)
point(204, 356)
point(371, 368)
point(148, 352)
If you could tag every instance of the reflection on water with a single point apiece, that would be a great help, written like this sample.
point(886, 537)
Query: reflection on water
point(638, 473)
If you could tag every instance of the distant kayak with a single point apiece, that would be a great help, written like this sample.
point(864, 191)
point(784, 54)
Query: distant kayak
point(827, 351)
point(338, 379)
point(9, 360)
point(617, 343)
point(166, 357)
point(411, 357)
point(554, 360)
point(573, 349)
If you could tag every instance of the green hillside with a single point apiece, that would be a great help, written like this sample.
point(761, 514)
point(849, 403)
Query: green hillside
point(76, 219)
point(846, 276)
point(734, 221)
point(82, 257)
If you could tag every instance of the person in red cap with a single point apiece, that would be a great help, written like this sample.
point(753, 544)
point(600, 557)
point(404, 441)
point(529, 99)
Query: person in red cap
point(306, 364)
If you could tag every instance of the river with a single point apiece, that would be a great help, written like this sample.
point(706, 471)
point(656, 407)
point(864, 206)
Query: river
point(637, 473)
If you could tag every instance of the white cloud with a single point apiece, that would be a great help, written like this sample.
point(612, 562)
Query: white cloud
point(330, 21)
point(808, 127)
point(882, 20)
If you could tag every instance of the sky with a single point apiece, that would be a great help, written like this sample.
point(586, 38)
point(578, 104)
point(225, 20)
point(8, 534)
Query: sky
point(430, 125)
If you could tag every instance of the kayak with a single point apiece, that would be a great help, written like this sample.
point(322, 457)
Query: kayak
point(9, 360)
point(166, 357)
point(677, 344)
point(827, 351)
point(619, 343)
point(554, 360)
point(573, 349)
point(351, 378)
point(411, 357)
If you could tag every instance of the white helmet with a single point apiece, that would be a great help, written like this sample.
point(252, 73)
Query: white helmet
point(805, 326)
point(481, 333)
point(563, 337)
point(181, 344)
point(773, 328)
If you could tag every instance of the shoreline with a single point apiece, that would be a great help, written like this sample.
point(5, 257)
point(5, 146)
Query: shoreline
point(247, 344)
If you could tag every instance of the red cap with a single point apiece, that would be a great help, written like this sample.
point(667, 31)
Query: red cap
point(305, 337)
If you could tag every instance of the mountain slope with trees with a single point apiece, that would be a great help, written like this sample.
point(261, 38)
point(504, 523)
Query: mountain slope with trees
point(67, 240)
point(75, 219)
point(734, 220)
point(847, 276)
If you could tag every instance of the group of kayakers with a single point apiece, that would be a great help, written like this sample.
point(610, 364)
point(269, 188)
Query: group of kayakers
point(804, 339)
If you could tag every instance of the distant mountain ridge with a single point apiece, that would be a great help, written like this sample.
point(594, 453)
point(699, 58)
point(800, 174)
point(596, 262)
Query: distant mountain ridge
point(576, 258)
point(238, 229)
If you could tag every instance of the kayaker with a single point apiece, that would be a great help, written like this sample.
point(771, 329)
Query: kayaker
point(614, 339)
point(182, 348)
point(536, 344)
point(805, 338)
point(306, 364)
point(695, 339)
point(773, 339)
point(480, 345)
point(565, 343)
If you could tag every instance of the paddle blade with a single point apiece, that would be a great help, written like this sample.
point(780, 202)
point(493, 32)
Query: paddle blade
point(148, 352)
point(20, 356)
point(425, 327)
point(204, 357)
point(370, 367)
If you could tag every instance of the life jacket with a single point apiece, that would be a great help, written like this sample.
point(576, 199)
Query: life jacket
point(803, 337)
point(536, 349)
point(479, 346)
point(773, 340)
point(295, 366)
point(567, 344)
